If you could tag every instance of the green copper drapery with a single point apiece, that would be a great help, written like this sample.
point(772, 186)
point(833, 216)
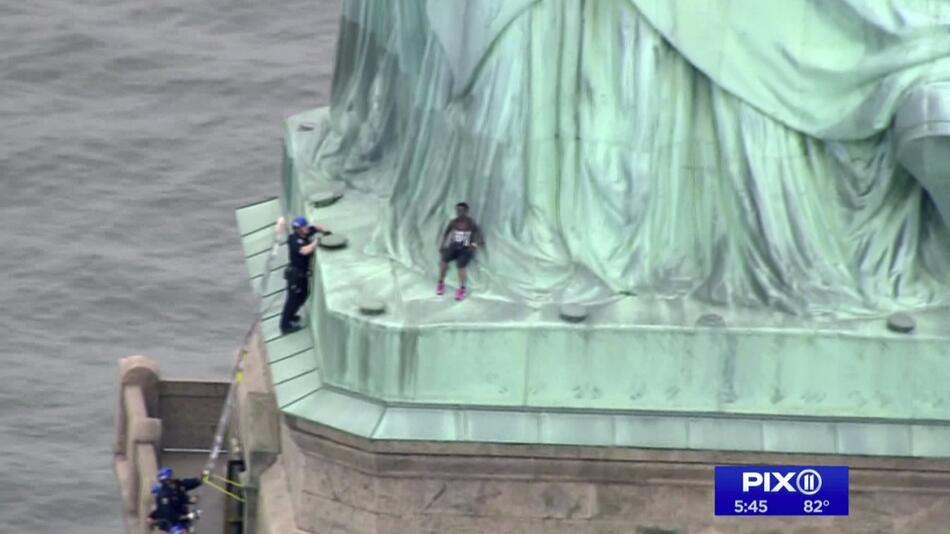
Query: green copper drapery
point(719, 150)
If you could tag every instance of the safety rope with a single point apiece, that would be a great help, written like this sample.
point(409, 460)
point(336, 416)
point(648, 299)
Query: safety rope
point(237, 374)
point(209, 483)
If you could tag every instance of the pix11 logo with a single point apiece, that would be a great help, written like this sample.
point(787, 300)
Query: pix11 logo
point(807, 481)
point(781, 490)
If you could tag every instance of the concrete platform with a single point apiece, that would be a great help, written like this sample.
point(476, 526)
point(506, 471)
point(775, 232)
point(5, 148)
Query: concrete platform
point(163, 423)
point(211, 503)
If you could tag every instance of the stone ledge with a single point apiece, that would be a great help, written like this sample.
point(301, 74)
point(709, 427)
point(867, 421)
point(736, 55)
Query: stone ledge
point(600, 464)
point(192, 388)
point(351, 413)
point(345, 484)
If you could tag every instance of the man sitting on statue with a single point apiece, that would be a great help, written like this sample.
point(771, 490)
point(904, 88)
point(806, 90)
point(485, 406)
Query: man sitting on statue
point(459, 243)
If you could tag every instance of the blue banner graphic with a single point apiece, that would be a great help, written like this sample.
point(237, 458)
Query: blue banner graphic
point(781, 490)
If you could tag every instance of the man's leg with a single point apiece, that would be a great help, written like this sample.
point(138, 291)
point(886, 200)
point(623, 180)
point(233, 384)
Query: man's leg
point(462, 264)
point(461, 292)
point(303, 300)
point(296, 295)
point(306, 289)
point(443, 269)
point(287, 315)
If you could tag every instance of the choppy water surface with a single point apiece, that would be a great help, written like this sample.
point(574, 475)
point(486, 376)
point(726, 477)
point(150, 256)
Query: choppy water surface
point(129, 131)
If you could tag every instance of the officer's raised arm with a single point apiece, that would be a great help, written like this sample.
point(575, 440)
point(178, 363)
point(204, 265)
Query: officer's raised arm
point(300, 246)
point(307, 250)
point(189, 484)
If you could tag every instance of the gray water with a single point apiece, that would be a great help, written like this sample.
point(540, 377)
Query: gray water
point(129, 132)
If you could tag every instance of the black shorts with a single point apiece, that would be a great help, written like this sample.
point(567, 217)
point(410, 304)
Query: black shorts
point(460, 254)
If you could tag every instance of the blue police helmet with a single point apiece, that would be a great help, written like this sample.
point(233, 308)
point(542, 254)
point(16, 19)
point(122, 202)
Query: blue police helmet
point(164, 473)
point(156, 488)
point(299, 222)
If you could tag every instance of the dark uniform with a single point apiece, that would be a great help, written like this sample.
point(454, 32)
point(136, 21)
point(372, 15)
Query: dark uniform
point(171, 502)
point(298, 277)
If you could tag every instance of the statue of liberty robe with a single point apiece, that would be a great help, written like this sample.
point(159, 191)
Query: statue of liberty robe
point(788, 155)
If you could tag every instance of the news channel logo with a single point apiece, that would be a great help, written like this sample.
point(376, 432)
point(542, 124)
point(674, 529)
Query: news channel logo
point(781, 490)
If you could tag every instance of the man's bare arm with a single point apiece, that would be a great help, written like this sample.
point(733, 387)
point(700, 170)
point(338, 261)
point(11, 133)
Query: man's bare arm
point(479, 236)
point(445, 234)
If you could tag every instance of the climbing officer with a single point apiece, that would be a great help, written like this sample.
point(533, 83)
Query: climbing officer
point(300, 245)
point(171, 500)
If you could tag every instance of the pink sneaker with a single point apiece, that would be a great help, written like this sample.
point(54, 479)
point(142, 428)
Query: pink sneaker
point(440, 288)
point(460, 294)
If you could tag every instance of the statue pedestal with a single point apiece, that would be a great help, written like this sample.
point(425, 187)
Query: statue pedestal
point(325, 476)
point(489, 415)
point(635, 373)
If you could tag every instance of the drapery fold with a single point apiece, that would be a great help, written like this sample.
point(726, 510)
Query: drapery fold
point(643, 147)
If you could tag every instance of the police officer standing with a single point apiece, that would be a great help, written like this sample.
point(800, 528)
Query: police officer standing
point(301, 245)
